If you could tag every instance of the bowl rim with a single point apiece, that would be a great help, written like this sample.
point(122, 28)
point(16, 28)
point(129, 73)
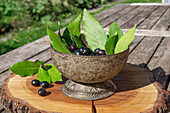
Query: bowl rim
point(88, 56)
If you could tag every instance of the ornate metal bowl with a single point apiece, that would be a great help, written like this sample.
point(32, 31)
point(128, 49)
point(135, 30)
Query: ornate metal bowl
point(87, 72)
point(89, 69)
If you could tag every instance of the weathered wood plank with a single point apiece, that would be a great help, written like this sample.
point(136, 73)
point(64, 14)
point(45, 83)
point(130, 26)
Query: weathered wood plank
point(3, 76)
point(164, 22)
point(144, 50)
point(139, 18)
point(104, 14)
point(129, 16)
point(50, 62)
point(117, 15)
point(25, 52)
point(135, 42)
point(44, 56)
point(129, 103)
point(161, 58)
point(143, 32)
point(153, 18)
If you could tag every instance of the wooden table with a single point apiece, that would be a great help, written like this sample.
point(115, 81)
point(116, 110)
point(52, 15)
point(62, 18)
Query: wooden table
point(150, 49)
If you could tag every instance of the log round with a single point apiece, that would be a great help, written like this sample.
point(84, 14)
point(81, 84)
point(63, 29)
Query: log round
point(135, 93)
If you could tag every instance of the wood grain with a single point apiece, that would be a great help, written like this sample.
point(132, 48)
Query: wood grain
point(22, 53)
point(25, 52)
point(136, 93)
point(106, 13)
point(161, 58)
point(144, 50)
point(43, 56)
point(21, 89)
point(116, 16)
point(149, 22)
point(130, 15)
point(139, 18)
point(135, 42)
point(164, 22)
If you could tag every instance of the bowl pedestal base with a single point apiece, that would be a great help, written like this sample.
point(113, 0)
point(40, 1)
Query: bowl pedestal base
point(89, 91)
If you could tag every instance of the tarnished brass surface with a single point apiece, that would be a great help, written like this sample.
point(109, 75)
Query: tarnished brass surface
point(90, 91)
point(89, 69)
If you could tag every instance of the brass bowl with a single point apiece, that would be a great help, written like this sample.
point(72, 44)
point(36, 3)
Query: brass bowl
point(89, 69)
point(89, 76)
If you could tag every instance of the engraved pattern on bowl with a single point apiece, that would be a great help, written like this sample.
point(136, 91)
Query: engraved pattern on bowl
point(89, 69)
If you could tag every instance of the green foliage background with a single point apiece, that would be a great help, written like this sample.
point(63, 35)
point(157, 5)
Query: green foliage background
point(18, 14)
point(26, 20)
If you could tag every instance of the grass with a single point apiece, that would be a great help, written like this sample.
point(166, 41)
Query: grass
point(28, 35)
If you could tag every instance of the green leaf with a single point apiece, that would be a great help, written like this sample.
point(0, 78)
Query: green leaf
point(125, 40)
point(43, 75)
point(93, 31)
point(77, 40)
point(74, 27)
point(57, 42)
point(26, 68)
point(54, 73)
point(115, 29)
point(65, 43)
point(110, 44)
point(66, 36)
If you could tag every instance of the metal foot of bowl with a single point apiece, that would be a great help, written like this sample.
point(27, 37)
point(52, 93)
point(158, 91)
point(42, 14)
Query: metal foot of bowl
point(89, 91)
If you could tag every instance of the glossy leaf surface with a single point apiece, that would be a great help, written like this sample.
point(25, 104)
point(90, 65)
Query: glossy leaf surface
point(57, 42)
point(43, 75)
point(93, 31)
point(110, 45)
point(74, 27)
point(26, 68)
point(54, 73)
point(125, 40)
point(115, 29)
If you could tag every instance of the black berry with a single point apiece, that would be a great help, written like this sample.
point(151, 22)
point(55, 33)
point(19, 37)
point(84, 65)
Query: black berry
point(35, 82)
point(101, 52)
point(73, 47)
point(92, 54)
point(44, 84)
point(81, 49)
point(78, 52)
point(86, 51)
point(96, 50)
point(42, 92)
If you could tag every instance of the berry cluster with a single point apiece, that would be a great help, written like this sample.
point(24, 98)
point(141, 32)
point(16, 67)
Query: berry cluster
point(44, 84)
point(86, 51)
